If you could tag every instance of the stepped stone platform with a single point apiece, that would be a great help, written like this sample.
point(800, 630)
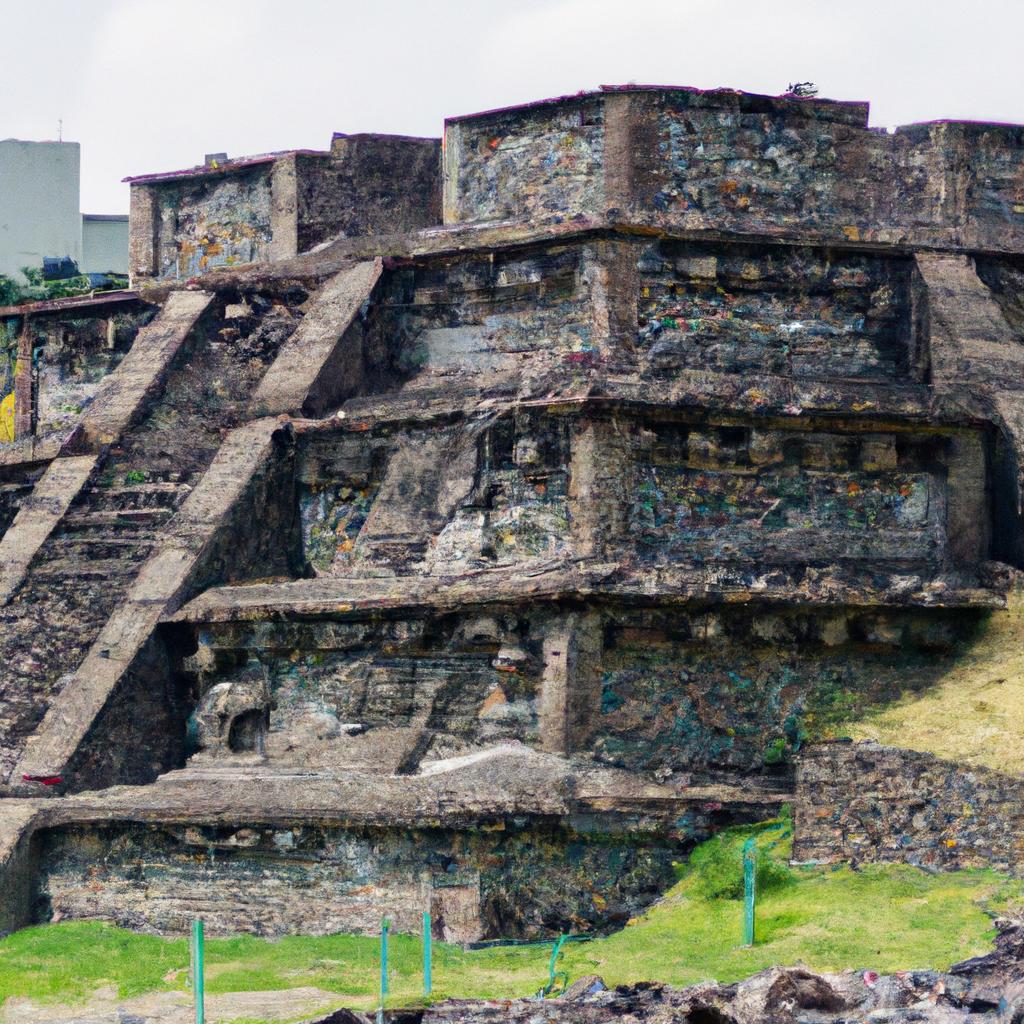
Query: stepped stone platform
point(579, 825)
point(484, 556)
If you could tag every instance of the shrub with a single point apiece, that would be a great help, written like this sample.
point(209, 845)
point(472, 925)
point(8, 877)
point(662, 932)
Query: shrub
point(716, 867)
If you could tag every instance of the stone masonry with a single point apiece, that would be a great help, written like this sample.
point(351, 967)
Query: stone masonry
point(865, 802)
point(474, 528)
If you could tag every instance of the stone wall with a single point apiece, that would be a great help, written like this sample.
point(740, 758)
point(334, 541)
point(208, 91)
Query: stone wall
point(797, 312)
point(490, 315)
point(529, 487)
point(1005, 280)
point(273, 207)
point(994, 195)
point(751, 164)
point(204, 223)
point(653, 691)
point(866, 802)
point(73, 355)
point(52, 367)
point(739, 163)
point(367, 185)
point(501, 879)
point(736, 689)
point(542, 162)
point(500, 497)
point(383, 695)
point(734, 493)
point(332, 706)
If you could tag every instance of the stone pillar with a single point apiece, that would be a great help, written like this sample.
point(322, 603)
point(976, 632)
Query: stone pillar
point(142, 232)
point(621, 256)
point(23, 403)
point(968, 529)
point(570, 689)
point(599, 473)
point(618, 154)
point(451, 162)
point(284, 208)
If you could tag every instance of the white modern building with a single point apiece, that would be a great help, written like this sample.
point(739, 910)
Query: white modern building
point(104, 243)
point(40, 215)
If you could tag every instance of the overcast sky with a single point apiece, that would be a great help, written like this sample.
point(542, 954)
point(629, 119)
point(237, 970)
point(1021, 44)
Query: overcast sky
point(151, 85)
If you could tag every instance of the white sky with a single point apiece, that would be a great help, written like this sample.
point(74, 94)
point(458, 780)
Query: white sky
point(151, 85)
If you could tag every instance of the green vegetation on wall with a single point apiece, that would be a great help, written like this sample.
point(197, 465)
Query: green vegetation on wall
point(38, 290)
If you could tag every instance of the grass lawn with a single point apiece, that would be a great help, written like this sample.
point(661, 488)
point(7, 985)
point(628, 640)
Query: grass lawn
point(883, 918)
point(975, 713)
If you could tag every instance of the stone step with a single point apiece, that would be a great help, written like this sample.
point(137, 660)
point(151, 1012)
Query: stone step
point(126, 539)
point(16, 488)
point(97, 568)
point(155, 487)
point(127, 517)
point(82, 551)
point(136, 497)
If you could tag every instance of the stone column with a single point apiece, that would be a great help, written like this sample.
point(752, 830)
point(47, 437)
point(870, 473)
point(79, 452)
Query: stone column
point(968, 530)
point(284, 208)
point(570, 689)
point(619, 117)
point(451, 161)
point(600, 473)
point(23, 397)
point(142, 231)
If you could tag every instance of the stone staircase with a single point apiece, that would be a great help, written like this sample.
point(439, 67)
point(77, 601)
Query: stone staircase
point(112, 530)
point(147, 515)
point(84, 569)
point(79, 576)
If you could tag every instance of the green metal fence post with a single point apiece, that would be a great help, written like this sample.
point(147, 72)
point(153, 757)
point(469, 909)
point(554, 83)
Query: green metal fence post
point(427, 954)
point(749, 893)
point(196, 948)
point(553, 975)
point(383, 960)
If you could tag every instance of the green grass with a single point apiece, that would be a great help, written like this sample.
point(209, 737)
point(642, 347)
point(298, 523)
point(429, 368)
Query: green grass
point(974, 714)
point(884, 918)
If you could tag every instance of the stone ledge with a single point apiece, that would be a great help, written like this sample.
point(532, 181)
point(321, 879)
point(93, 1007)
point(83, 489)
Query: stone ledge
point(353, 597)
point(510, 779)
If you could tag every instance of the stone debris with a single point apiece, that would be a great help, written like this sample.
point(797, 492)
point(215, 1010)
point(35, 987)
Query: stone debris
point(987, 990)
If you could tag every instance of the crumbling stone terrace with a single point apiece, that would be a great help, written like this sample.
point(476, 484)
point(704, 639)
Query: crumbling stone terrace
point(474, 528)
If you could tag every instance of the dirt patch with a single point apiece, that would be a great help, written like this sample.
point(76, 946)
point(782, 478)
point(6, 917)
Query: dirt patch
point(174, 1008)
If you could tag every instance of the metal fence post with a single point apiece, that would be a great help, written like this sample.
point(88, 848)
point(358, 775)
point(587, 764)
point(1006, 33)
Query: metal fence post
point(383, 960)
point(749, 890)
point(427, 954)
point(197, 957)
